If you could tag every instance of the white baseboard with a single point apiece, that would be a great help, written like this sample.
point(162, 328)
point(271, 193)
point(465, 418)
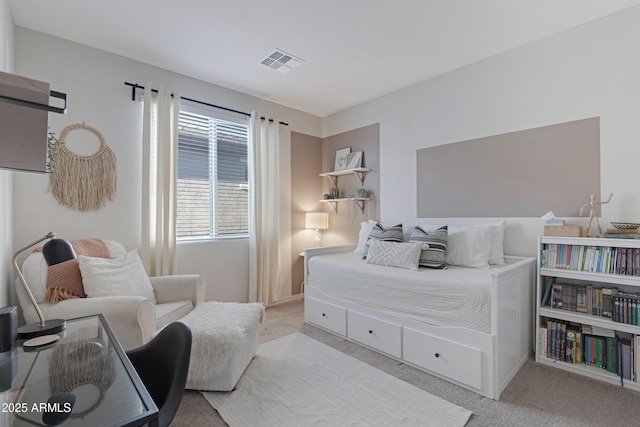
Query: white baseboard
point(291, 298)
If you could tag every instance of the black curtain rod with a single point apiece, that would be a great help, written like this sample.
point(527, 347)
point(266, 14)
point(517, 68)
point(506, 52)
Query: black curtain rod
point(135, 86)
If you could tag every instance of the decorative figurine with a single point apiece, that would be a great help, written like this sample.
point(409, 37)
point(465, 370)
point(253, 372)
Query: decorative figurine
point(593, 214)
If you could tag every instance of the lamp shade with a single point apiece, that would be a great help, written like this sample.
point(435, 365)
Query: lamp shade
point(57, 251)
point(316, 220)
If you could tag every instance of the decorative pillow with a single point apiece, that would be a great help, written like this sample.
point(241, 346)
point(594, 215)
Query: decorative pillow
point(434, 246)
point(123, 275)
point(379, 232)
point(496, 255)
point(394, 254)
point(469, 246)
point(64, 280)
point(363, 236)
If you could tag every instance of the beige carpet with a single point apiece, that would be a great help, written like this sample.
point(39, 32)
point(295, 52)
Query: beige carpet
point(537, 396)
point(298, 381)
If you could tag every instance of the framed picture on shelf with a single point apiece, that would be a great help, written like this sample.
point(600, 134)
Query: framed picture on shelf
point(341, 159)
point(354, 160)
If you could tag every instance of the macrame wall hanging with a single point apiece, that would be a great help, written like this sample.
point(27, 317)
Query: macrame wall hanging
point(83, 183)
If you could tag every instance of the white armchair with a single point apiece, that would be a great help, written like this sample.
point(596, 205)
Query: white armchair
point(133, 319)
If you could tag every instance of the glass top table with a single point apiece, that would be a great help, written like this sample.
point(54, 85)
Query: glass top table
point(87, 363)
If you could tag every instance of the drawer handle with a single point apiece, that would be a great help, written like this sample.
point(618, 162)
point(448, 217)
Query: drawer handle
point(437, 354)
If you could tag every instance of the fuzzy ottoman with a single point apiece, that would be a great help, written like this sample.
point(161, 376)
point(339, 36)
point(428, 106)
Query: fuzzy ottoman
point(225, 339)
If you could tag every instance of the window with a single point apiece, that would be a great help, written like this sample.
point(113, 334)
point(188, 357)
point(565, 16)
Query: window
point(213, 174)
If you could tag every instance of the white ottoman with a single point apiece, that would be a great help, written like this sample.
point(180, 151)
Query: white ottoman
point(225, 339)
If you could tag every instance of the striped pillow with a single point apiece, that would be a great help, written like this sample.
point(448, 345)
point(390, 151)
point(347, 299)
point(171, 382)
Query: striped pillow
point(434, 246)
point(379, 232)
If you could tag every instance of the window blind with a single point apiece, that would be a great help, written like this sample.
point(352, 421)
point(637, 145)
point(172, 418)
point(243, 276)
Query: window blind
point(212, 187)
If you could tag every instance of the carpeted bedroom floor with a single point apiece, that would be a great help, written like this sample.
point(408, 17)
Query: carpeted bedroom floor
point(537, 396)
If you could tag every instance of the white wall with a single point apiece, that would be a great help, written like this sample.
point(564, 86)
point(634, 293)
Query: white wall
point(6, 177)
point(588, 71)
point(94, 81)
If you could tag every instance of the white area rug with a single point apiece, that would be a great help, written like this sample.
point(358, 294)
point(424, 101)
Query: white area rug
point(298, 381)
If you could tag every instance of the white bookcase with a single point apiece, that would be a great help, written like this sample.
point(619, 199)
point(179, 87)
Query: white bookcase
point(569, 267)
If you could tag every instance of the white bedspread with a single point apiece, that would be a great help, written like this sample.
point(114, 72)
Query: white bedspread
point(456, 296)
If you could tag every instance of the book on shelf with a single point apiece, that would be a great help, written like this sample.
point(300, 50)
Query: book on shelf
point(561, 340)
point(591, 258)
point(547, 291)
point(622, 231)
point(556, 295)
point(624, 346)
point(585, 298)
point(603, 348)
point(542, 341)
point(612, 354)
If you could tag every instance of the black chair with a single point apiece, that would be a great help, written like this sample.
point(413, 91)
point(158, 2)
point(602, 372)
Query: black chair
point(163, 365)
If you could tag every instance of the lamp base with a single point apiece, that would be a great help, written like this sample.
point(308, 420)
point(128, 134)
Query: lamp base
point(32, 330)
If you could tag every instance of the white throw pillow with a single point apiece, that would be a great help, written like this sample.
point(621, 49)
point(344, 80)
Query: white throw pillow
point(365, 229)
point(394, 254)
point(34, 269)
point(470, 246)
point(122, 275)
point(496, 245)
point(496, 256)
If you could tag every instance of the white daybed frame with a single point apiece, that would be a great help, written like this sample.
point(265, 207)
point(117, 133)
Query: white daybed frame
point(481, 362)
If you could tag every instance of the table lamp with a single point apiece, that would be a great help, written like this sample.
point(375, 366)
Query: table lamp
point(55, 251)
point(316, 221)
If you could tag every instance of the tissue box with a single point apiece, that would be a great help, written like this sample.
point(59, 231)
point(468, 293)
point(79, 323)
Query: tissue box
point(563, 230)
point(554, 221)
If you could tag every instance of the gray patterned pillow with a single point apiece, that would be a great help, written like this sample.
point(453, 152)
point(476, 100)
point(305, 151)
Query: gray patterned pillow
point(394, 254)
point(434, 246)
point(379, 232)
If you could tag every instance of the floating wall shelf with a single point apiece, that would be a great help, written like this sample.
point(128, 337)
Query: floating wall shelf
point(359, 172)
point(334, 202)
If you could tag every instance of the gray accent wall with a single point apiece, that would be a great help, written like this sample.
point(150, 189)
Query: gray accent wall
point(306, 190)
point(344, 225)
point(311, 156)
point(516, 174)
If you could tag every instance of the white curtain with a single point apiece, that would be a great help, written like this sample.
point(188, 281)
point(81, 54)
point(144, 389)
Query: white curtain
point(159, 165)
point(264, 249)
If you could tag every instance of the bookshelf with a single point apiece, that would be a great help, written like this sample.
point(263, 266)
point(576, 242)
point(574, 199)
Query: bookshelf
point(588, 308)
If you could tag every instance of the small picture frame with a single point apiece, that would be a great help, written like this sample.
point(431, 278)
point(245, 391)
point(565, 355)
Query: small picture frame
point(341, 159)
point(354, 160)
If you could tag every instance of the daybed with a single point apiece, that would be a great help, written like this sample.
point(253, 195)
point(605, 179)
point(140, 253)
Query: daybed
point(470, 326)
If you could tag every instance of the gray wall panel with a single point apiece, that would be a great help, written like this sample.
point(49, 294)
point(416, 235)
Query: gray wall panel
point(517, 174)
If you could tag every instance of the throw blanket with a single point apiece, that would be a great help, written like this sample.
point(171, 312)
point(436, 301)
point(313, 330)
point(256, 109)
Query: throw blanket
point(64, 280)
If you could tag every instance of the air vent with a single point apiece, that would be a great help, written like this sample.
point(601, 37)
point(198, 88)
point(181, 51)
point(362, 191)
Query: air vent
point(281, 61)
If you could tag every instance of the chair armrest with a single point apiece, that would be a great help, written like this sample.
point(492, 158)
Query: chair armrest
point(132, 319)
point(180, 287)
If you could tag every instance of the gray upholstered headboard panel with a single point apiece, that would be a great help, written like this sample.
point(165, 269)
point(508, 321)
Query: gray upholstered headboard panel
point(517, 174)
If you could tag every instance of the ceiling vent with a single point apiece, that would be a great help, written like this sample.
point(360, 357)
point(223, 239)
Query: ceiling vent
point(281, 61)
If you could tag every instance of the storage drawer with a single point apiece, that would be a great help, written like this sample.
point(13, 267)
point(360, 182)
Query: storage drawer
point(450, 359)
point(376, 333)
point(326, 315)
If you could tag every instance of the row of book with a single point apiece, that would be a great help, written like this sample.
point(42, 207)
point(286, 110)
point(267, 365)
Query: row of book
point(584, 344)
point(622, 307)
point(595, 259)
